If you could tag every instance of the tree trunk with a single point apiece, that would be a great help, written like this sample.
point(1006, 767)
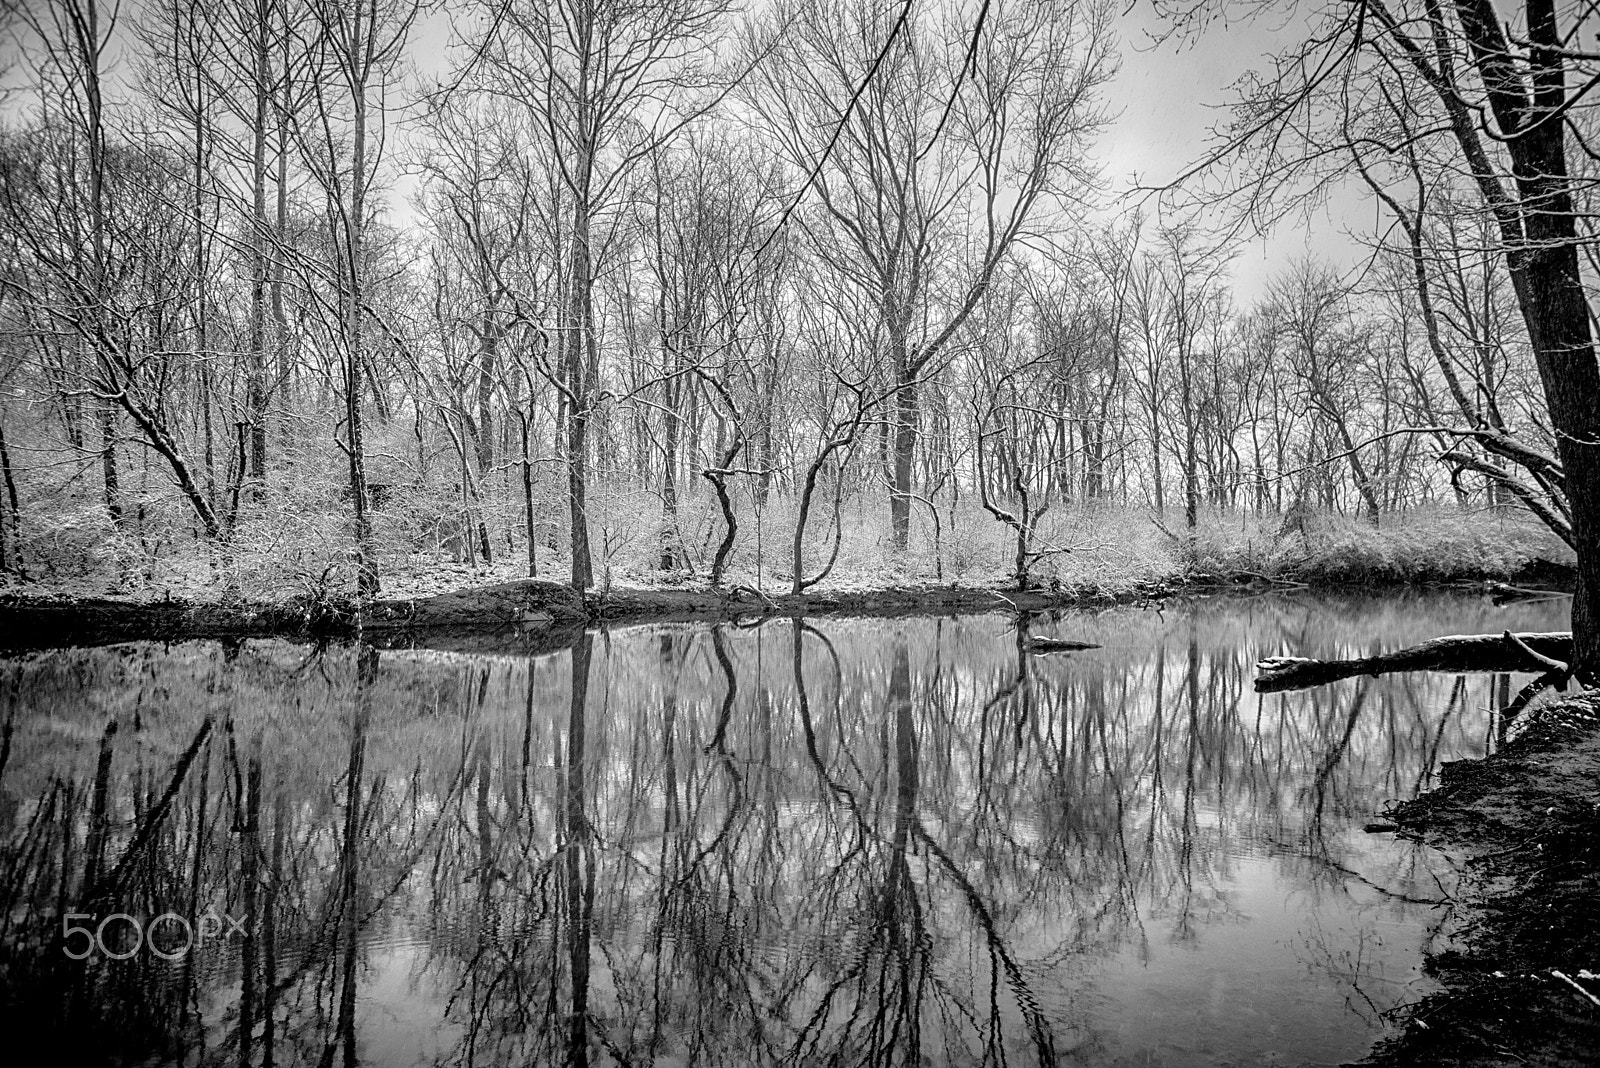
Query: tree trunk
point(256, 375)
point(108, 463)
point(15, 513)
point(355, 251)
point(1190, 433)
point(575, 373)
point(1542, 260)
point(718, 477)
point(906, 418)
point(488, 358)
point(527, 493)
point(671, 390)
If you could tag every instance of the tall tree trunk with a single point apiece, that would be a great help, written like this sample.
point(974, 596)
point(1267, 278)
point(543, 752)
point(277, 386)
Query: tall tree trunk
point(576, 373)
point(488, 358)
point(202, 262)
point(89, 42)
point(529, 524)
point(671, 390)
point(355, 251)
point(1155, 457)
point(907, 417)
point(108, 462)
point(10, 490)
point(280, 229)
point(256, 373)
point(1544, 266)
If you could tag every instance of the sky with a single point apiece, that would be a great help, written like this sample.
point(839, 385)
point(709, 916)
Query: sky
point(1165, 99)
point(1169, 96)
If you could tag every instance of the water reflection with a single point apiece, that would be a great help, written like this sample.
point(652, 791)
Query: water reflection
point(844, 842)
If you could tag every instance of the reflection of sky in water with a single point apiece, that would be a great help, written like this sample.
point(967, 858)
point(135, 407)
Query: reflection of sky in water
point(1121, 856)
point(1279, 973)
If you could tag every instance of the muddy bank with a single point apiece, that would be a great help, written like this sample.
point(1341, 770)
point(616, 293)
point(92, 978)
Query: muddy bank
point(510, 615)
point(1520, 985)
point(537, 608)
point(532, 613)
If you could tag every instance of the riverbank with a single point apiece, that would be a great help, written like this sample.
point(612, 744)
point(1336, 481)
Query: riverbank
point(527, 612)
point(1520, 982)
point(530, 614)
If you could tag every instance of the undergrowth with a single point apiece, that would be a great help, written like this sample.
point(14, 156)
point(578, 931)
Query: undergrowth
point(296, 544)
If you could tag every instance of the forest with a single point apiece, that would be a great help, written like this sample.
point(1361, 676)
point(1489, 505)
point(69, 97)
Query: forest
point(323, 296)
point(439, 336)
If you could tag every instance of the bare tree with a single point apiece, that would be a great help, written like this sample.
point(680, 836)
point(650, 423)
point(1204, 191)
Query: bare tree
point(604, 82)
point(1325, 351)
point(933, 151)
point(1012, 454)
point(1476, 99)
point(358, 50)
point(95, 227)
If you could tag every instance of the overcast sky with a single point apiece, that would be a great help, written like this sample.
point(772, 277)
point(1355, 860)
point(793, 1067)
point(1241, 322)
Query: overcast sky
point(1165, 99)
point(1170, 96)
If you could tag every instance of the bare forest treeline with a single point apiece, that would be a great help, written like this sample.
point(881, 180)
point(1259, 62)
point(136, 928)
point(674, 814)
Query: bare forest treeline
point(294, 294)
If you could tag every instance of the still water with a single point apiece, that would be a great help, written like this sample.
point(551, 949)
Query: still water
point(865, 842)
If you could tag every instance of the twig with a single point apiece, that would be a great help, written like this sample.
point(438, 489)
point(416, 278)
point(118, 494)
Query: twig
point(1564, 977)
point(1003, 597)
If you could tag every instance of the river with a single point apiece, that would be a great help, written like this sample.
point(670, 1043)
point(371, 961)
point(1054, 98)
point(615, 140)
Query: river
point(848, 841)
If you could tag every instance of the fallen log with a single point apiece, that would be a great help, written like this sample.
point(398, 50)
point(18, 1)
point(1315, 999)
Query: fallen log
point(1058, 645)
point(1535, 653)
point(1502, 594)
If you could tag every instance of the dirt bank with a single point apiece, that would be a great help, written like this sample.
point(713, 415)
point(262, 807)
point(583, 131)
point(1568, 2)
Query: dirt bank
point(532, 614)
point(1518, 980)
point(510, 613)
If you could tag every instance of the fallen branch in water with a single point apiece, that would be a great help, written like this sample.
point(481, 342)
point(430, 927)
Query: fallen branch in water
point(1058, 645)
point(1504, 594)
point(1543, 654)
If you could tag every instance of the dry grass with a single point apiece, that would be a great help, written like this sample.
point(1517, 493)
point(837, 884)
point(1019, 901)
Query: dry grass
point(297, 542)
point(1422, 545)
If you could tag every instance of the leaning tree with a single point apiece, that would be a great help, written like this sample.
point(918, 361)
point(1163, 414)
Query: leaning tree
point(1413, 94)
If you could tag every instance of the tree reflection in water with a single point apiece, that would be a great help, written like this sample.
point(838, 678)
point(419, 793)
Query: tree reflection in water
point(843, 842)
